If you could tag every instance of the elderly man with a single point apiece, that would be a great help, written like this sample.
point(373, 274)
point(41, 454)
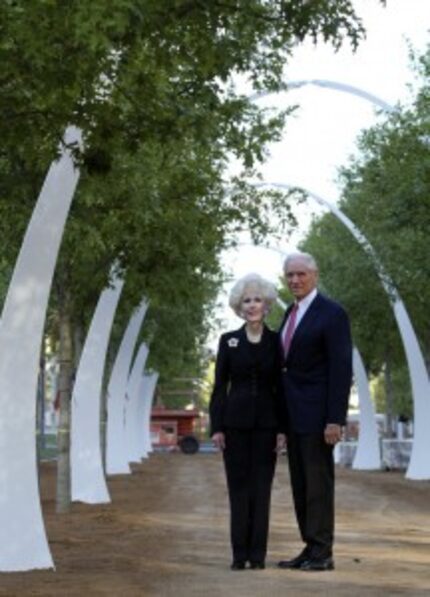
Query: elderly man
point(317, 372)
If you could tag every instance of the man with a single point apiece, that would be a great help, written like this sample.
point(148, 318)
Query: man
point(317, 372)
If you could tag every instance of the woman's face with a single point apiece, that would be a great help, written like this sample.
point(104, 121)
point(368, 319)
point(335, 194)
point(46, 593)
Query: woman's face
point(253, 306)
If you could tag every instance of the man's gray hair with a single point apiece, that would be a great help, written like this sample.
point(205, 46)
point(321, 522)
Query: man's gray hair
point(307, 258)
point(266, 289)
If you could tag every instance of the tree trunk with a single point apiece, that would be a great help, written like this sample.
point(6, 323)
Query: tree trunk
point(65, 393)
point(103, 404)
point(389, 393)
point(427, 353)
point(78, 343)
point(40, 407)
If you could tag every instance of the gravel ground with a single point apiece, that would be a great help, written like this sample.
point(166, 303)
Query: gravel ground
point(166, 534)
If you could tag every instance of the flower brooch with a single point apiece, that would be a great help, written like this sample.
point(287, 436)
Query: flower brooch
point(233, 342)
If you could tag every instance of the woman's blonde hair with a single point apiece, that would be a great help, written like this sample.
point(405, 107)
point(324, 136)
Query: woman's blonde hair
point(264, 288)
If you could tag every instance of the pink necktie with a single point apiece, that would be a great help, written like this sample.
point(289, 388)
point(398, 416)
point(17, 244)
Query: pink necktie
point(290, 328)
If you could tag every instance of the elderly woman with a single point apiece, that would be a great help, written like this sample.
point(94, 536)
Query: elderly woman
point(247, 418)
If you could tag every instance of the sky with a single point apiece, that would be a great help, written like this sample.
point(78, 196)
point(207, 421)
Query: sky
point(321, 135)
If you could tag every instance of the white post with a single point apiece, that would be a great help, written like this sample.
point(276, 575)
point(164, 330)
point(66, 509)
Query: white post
point(88, 483)
point(116, 447)
point(133, 427)
point(368, 454)
point(24, 545)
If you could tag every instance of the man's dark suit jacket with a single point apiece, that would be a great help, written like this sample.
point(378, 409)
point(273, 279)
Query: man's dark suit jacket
point(247, 392)
point(317, 372)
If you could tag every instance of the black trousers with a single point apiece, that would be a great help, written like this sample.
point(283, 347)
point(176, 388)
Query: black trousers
point(311, 465)
point(249, 459)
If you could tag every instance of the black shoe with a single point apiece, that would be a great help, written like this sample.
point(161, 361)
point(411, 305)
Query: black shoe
point(318, 564)
point(257, 565)
point(295, 562)
point(238, 565)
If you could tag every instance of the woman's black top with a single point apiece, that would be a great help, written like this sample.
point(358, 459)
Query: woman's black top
point(247, 393)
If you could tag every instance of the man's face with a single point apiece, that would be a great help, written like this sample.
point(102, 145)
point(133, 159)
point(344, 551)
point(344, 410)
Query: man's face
point(300, 279)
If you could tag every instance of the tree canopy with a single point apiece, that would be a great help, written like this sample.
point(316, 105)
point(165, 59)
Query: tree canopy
point(151, 85)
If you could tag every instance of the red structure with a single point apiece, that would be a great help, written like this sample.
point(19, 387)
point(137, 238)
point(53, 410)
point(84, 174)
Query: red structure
point(172, 428)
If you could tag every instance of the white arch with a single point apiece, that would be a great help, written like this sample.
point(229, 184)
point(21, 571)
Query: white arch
point(344, 88)
point(133, 424)
point(336, 86)
point(24, 545)
point(368, 454)
point(116, 445)
point(88, 483)
point(419, 464)
point(146, 392)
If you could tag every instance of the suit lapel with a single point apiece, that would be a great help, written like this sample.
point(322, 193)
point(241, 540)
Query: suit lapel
point(284, 320)
point(305, 322)
point(281, 327)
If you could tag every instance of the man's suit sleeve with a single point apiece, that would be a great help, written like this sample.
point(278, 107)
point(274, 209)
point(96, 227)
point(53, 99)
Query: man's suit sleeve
point(339, 348)
point(219, 392)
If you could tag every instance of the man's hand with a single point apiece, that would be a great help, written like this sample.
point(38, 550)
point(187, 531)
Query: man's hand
point(332, 434)
point(281, 443)
point(219, 440)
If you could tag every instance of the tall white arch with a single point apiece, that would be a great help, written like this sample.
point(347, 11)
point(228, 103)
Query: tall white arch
point(24, 545)
point(419, 464)
point(133, 424)
point(147, 388)
point(116, 445)
point(344, 88)
point(88, 483)
point(368, 454)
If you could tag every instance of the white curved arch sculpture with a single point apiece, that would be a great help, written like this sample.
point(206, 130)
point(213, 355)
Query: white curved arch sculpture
point(147, 389)
point(368, 454)
point(88, 483)
point(24, 545)
point(344, 88)
point(116, 446)
point(419, 464)
point(133, 426)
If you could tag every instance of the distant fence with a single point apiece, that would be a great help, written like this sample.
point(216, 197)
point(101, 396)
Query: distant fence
point(395, 453)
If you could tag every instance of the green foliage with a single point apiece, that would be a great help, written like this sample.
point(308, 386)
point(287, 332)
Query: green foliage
point(149, 84)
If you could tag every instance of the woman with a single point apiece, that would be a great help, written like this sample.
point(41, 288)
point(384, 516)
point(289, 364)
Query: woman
point(247, 420)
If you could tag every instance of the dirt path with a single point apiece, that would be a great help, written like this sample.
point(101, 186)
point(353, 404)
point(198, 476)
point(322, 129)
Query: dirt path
point(166, 534)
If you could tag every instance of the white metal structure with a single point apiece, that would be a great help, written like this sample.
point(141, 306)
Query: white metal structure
point(24, 545)
point(88, 483)
point(368, 453)
point(133, 426)
point(116, 443)
point(147, 389)
point(419, 465)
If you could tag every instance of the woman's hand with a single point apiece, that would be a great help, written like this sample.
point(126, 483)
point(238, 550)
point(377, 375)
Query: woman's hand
point(219, 440)
point(281, 443)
